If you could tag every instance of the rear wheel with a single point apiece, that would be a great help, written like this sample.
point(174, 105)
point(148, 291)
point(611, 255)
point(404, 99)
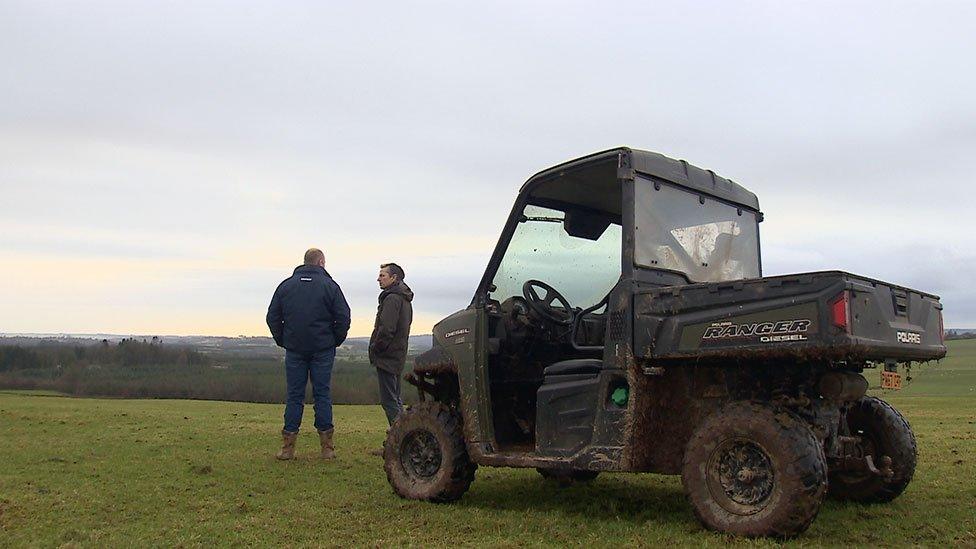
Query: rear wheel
point(425, 456)
point(882, 432)
point(753, 471)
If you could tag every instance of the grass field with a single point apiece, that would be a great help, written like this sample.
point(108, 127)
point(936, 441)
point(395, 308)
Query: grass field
point(88, 472)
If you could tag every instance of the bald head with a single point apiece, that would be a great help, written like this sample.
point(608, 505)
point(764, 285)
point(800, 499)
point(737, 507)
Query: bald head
point(314, 256)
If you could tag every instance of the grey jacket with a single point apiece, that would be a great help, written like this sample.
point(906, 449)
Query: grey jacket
point(391, 331)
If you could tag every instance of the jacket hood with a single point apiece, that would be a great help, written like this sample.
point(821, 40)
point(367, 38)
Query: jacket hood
point(398, 287)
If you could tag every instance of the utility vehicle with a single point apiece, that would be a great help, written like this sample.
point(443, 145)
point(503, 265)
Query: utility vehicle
point(623, 324)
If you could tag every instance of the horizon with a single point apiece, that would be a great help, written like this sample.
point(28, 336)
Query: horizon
point(160, 336)
point(104, 335)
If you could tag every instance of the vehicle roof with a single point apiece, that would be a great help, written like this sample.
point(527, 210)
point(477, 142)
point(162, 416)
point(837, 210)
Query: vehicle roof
point(657, 165)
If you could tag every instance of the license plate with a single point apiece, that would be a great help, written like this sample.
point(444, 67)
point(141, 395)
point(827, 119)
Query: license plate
point(890, 380)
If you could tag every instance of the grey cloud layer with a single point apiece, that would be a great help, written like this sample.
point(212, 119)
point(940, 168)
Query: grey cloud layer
point(200, 126)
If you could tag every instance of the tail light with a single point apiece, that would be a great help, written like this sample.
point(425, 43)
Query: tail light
point(840, 311)
point(941, 329)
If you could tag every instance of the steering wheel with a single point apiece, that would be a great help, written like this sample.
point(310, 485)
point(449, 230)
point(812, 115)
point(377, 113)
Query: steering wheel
point(544, 306)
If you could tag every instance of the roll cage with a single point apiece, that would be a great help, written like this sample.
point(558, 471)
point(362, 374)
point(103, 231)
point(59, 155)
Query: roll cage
point(603, 186)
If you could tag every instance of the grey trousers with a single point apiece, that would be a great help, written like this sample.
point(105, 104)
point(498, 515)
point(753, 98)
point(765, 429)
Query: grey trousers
point(390, 398)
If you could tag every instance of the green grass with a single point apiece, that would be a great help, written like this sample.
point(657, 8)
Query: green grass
point(89, 472)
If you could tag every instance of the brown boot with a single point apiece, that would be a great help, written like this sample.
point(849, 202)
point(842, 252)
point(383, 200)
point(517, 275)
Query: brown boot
point(328, 450)
point(287, 445)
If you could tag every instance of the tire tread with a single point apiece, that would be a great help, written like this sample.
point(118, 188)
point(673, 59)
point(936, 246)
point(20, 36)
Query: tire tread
point(808, 466)
point(435, 416)
point(900, 440)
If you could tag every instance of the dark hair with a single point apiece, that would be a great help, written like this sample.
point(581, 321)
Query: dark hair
point(313, 256)
point(394, 270)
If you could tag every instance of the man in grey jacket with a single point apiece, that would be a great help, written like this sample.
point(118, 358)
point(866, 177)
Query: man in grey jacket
point(391, 332)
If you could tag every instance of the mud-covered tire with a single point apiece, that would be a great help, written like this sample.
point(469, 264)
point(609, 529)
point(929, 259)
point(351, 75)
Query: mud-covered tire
point(884, 432)
point(424, 455)
point(566, 477)
point(752, 471)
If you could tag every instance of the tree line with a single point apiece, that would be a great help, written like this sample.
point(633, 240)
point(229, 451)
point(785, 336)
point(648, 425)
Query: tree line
point(147, 369)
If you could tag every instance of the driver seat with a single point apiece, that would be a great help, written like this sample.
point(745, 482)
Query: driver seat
point(566, 406)
point(577, 366)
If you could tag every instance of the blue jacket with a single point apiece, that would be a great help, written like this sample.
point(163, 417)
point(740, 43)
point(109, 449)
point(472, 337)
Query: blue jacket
point(308, 312)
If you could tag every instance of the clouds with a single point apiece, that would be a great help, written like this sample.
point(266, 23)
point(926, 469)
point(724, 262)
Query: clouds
point(210, 143)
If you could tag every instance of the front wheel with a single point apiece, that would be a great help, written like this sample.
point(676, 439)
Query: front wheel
point(752, 471)
point(425, 456)
point(881, 431)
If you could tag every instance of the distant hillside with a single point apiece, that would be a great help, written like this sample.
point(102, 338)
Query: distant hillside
point(243, 346)
point(220, 368)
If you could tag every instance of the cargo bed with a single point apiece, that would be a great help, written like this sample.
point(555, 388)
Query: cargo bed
point(829, 315)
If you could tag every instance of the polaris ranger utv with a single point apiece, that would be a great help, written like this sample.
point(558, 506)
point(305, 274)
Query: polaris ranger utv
point(623, 324)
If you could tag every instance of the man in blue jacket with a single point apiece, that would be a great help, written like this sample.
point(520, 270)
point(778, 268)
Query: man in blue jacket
point(309, 317)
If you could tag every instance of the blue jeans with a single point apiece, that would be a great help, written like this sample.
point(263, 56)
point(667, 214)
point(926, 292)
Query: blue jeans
point(299, 369)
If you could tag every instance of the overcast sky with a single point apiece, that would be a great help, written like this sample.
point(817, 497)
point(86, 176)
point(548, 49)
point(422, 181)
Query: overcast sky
point(164, 165)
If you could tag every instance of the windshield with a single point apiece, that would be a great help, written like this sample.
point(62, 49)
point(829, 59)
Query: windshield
point(582, 270)
point(704, 238)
